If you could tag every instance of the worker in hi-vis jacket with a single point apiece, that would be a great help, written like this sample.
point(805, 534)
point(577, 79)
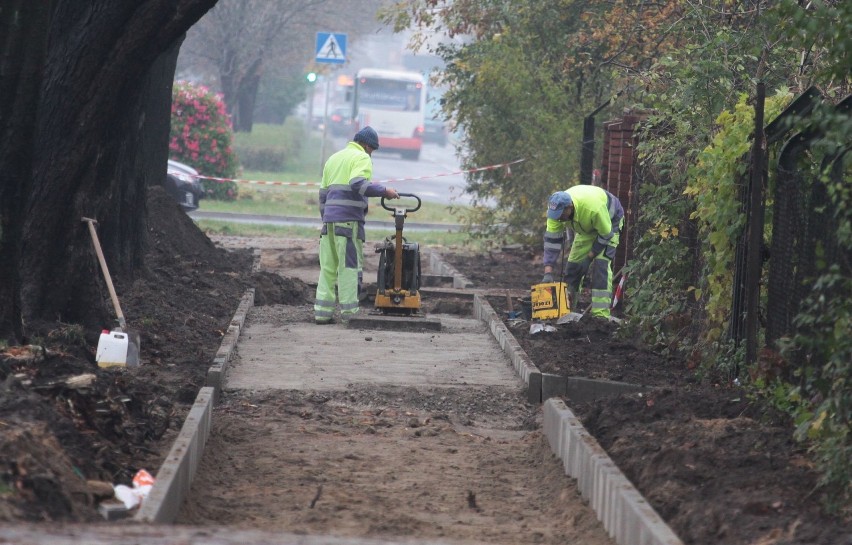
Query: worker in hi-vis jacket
point(343, 207)
point(596, 217)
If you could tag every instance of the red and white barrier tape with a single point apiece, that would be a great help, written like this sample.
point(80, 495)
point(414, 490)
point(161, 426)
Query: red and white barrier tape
point(508, 167)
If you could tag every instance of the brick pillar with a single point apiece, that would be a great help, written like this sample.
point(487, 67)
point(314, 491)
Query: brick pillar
point(618, 177)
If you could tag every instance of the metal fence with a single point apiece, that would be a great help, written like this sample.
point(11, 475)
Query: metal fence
point(804, 227)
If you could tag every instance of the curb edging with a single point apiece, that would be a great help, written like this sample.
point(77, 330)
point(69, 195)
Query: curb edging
point(216, 373)
point(525, 368)
point(174, 478)
point(625, 514)
point(175, 475)
point(440, 267)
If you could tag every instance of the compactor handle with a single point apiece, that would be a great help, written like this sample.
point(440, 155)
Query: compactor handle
point(412, 195)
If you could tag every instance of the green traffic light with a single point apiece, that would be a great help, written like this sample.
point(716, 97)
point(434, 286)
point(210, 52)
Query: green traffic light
point(312, 77)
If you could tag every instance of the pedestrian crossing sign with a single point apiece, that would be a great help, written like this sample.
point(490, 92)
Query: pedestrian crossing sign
point(331, 48)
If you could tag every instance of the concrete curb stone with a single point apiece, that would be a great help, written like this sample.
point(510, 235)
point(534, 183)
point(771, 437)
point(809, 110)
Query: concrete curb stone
point(174, 478)
point(625, 514)
point(441, 268)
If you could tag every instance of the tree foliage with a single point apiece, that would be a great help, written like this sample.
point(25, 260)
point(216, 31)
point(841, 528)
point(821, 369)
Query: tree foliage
point(521, 78)
point(712, 76)
point(714, 184)
point(523, 75)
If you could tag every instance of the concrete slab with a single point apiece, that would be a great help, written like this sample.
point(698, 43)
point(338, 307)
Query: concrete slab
point(395, 323)
point(626, 515)
point(583, 390)
point(331, 357)
point(175, 475)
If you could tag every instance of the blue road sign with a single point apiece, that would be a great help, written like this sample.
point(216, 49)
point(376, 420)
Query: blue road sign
point(331, 48)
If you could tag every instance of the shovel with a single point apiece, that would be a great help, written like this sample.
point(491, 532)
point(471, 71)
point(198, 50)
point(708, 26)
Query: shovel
point(572, 316)
point(132, 337)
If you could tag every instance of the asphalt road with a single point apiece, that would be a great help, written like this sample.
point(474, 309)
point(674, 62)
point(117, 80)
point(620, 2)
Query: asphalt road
point(261, 219)
point(438, 181)
point(439, 166)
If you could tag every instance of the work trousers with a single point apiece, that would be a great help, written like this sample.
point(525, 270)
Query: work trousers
point(598, 271)
point(341, 261)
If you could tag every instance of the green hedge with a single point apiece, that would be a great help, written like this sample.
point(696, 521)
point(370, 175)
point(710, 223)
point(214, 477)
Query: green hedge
point(270, 148)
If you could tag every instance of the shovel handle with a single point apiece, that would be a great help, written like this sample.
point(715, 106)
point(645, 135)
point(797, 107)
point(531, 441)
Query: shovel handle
point(105, 270)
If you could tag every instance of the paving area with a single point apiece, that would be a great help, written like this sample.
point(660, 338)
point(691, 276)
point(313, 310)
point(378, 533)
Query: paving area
point(305, 356)
point(378, 436)
point(405, 436)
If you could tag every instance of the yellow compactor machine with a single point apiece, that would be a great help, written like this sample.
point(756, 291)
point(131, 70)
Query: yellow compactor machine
point(398, 279)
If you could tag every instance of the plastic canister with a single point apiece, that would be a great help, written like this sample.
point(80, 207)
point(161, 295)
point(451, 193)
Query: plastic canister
point(112, 349)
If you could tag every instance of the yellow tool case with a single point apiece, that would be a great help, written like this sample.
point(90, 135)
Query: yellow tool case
point(549, 300)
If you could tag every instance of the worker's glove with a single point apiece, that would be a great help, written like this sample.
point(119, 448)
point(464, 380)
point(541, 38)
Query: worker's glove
point(548, 277)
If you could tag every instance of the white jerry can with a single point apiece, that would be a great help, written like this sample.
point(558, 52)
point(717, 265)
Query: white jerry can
point(112, 349)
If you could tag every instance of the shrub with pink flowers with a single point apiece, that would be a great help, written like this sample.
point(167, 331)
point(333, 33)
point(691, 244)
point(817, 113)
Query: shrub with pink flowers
point(201, 136)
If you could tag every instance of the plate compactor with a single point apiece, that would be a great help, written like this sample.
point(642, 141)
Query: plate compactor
point(398, 280)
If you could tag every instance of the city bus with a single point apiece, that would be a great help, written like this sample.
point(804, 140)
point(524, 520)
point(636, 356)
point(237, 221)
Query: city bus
point(394, 103)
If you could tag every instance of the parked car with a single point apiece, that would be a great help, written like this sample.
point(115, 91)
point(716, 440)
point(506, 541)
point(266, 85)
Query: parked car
point(435, 131)
point(340, 122)
point(183, 184)
point(434, 128)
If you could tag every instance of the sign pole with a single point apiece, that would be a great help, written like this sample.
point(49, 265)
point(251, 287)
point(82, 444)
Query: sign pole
point(309, 121)
point(330, 49)
point(325, 121)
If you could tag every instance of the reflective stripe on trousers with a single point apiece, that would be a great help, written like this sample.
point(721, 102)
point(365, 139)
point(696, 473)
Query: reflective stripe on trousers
point(599, 273)
point(341, 257)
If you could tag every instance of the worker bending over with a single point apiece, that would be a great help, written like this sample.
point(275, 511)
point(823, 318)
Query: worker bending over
point(596, 217)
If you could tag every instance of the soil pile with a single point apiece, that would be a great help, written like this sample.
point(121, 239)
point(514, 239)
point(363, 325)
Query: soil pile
point(719, 466)
point(70, 429)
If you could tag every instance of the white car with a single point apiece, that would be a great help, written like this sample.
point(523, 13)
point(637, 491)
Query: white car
point(183, 184)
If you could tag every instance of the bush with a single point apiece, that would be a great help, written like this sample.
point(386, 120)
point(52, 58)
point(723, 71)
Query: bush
point(262, 159)
point(270, 148)
point(201, 136)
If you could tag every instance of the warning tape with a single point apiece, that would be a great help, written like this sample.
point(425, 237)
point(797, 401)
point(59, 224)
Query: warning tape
point(507, 166)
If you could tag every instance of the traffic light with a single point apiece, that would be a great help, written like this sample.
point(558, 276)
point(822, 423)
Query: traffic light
point(311, 77)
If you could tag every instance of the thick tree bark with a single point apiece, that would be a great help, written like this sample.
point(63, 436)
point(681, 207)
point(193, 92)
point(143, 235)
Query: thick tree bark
point(22, 24)
point(95, 135)
point(247, 97)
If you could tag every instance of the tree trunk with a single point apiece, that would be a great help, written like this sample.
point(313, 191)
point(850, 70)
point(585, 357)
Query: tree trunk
point(247, 98)
point(25, 46)
point(229, 80)
point(91, 135)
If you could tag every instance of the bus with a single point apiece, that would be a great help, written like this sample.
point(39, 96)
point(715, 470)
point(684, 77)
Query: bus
point(394, 103)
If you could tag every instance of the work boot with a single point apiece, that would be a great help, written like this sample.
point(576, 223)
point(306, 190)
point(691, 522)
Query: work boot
point(323, 322)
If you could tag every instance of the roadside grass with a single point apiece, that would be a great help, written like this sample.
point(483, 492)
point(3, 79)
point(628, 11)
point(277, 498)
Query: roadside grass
point(304, 167)
point(302, 201)
point(446, 239)
point(296, 149)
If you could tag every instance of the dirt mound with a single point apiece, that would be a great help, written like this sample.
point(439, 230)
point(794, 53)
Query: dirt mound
point(274, 289)
point(60, 430)
point(720, 466)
